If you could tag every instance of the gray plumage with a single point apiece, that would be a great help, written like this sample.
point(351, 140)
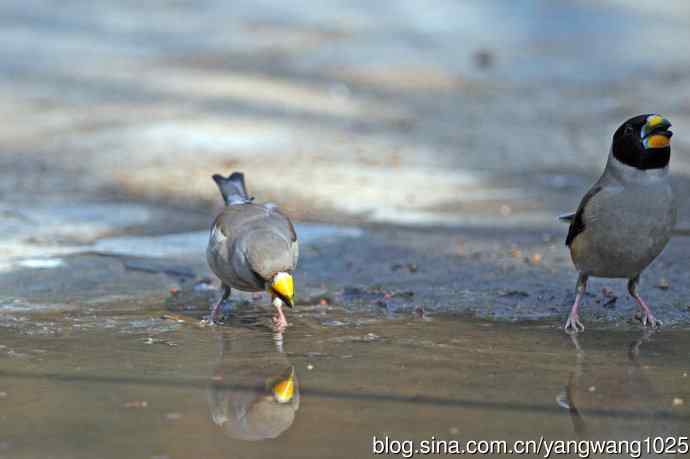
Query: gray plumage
point(249, 243)
point(623, 222)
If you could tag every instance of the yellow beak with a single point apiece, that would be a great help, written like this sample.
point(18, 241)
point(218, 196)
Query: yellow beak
point(285, 389)
point(655, 133)
point(284, 287)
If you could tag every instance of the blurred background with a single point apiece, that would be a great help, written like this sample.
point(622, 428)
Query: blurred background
point(442, 112)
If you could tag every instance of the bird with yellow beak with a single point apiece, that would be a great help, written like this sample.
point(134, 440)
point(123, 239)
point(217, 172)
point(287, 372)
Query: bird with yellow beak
point(252, 247)
point(627, 217)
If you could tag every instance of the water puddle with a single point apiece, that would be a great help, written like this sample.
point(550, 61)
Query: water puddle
point(131, 384)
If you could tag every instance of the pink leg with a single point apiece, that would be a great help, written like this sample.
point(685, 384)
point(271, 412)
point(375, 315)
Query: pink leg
point(279, 320)
point(647, 318)
point(573, 324)
point(219, 305)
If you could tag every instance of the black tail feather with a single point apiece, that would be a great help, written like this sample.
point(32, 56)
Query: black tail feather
point(232, 188)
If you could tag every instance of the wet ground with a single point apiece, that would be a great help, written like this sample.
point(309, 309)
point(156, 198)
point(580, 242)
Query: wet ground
point(127, 382)
point(424, 153)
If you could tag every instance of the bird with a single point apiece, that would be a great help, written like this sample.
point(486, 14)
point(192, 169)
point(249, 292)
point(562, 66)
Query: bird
point(252, 247)
point(626, 218)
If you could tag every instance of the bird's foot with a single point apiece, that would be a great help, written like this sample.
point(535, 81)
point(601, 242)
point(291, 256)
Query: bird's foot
point(218, 314)
point(206, 322)
point(573, 324)
point(216, 318)
point(648, 320)
point(280, 323)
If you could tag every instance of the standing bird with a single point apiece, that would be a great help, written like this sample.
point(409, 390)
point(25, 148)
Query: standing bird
point(625, 220)
point(252, 247)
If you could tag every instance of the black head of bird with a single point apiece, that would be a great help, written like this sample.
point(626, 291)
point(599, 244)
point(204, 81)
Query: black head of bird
point(643, 142)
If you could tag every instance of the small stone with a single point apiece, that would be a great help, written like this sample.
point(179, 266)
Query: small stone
point(136, 404)
point(663, 284)
point(505, 210)
point(310, 367)
point(592, 389)
point(536, 258)
point(515, 253)
point(173, 416)
point(685, 374)
point(149, 340)
point(678, 401)
point(453, 431)
point(3, 394)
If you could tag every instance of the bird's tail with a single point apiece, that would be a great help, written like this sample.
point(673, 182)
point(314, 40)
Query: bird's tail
point(232, 188)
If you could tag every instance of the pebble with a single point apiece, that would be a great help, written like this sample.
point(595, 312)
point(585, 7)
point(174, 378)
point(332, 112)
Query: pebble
point(310, 367)
point(136, 404)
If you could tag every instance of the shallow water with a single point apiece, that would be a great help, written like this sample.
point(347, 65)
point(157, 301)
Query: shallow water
point(129, 384)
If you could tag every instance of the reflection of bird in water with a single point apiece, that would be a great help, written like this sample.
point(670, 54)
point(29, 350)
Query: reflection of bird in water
point(253, 396)
point(615, 402)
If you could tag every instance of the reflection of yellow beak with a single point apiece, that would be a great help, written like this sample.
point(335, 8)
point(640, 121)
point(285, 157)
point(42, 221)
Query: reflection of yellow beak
point(284, 287)
point(285, 389)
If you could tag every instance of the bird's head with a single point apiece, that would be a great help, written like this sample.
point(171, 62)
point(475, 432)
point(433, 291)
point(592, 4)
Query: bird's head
point(643, 142)
point(283, 286)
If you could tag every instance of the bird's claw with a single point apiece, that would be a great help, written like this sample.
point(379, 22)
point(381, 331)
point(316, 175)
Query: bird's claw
point(573, 325)
point(207, 321)
point(648, 320)
point(280, 323)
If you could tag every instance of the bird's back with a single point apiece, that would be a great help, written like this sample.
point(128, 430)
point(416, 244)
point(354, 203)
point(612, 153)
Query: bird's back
point(249, 240)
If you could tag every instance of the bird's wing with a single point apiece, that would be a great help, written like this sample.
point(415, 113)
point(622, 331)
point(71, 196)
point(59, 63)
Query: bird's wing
point(281, 221)
point(577, 223)
point(225, 257)
point(283, 224)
